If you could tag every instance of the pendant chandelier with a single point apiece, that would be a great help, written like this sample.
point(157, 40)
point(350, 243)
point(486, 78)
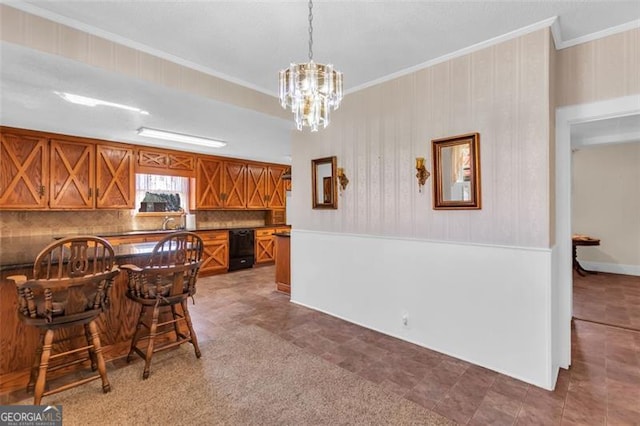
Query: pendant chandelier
point(310, 89)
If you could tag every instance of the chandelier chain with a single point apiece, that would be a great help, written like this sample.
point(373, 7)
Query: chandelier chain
point(311, 90)
point(310, 30)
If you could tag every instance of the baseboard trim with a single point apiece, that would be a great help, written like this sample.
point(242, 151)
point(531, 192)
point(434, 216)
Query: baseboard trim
point(612, 268)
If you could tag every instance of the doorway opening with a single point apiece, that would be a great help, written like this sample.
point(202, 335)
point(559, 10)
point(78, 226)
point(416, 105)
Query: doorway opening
point(568, 118)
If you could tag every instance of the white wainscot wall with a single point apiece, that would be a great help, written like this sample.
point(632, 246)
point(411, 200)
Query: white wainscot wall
point(489, 305)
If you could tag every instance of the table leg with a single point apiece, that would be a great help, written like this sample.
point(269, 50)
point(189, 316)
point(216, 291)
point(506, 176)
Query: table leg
point(578, 267)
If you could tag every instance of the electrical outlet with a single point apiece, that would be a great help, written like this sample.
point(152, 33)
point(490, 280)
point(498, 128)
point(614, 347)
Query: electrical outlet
point(405, 320)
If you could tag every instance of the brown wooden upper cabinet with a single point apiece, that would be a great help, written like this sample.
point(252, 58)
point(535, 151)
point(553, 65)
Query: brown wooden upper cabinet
point(115, 177)
point(275, 188)
point(86, 176)
point(73, 175)
point(48, 171)
point(38, 173)
point(220, 184)
point(165, 162)
point(235, 185)
point(24, 171)
point(265, 187)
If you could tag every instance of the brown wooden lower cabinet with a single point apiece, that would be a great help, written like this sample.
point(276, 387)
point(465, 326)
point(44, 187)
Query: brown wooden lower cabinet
point(283, 263)
point(215, 258)
point(264, 246)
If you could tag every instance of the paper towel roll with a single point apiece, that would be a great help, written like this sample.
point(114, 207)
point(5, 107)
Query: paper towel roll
point(190, 221)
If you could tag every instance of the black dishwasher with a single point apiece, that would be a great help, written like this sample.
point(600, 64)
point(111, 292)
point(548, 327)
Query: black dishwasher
point(241, 249)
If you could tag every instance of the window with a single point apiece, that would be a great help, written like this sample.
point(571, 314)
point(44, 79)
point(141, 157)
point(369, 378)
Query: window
point(157, 193)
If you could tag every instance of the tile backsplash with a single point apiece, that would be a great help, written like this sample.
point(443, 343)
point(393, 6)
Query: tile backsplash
point(28, 223)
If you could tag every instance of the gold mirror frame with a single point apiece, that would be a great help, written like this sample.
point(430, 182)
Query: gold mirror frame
point(323, 183)
point(456, 169)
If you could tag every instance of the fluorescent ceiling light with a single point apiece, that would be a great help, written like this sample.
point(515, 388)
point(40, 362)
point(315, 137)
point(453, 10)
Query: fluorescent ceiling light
point(179, 137)
point(83, 100)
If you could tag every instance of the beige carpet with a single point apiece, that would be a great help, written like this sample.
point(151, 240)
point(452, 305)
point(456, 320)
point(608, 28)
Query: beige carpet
point(245, 377)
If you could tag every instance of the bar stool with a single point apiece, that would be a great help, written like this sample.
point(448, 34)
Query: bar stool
point(71, 281)
point(167, 281)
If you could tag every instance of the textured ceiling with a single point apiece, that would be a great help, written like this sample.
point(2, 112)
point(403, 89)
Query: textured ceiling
point(248, 42)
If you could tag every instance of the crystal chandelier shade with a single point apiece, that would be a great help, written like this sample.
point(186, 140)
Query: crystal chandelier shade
point(311, 90)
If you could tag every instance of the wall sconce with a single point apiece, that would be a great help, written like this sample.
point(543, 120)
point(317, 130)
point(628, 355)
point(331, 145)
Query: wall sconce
point(342, 178)
point(422, 174)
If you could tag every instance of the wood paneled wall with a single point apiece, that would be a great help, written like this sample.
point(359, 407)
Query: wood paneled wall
point(502, 92)
point(602, 69)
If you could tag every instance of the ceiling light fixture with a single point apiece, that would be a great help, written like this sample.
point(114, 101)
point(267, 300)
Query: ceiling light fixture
point(92, 102)
point(180, 137)
point(310, 89)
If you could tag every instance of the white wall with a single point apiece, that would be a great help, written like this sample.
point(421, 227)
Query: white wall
point(479, 303)
point(385, 250)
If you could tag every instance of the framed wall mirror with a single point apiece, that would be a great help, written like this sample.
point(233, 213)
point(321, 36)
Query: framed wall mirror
point(456, 169)
point(323, 181)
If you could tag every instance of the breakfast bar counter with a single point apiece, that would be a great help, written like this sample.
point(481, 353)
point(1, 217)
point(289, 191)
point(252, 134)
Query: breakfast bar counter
point(116, 325)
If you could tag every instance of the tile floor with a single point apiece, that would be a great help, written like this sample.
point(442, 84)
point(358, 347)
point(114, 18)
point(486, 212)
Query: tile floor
point(607, 298)
point(601, 388)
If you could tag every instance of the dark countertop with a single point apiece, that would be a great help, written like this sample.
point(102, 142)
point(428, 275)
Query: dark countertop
point(282, 234)
point(20, 252)
point(206, 228)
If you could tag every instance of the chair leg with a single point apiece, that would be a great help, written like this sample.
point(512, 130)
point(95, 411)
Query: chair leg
point(92, 355)
point(176, 328)
point(36, 363)
point(194, 339)
point(44, 364)
point(152, 338)
point(97, 350)
point(136, 335)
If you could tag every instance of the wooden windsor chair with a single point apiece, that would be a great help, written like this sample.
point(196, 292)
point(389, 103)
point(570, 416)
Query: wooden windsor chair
point(70, 287)
point(168, 280)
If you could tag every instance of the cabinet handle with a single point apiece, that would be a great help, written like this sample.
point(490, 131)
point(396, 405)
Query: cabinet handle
point(41, 191)
point(97, 192)
point(90, 192)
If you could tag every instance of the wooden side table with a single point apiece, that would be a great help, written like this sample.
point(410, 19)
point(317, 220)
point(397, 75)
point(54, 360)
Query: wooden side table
point(582, 240)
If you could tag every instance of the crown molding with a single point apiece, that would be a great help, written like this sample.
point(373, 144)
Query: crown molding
point(464, 51)
point(552, 23)
point(560, 44)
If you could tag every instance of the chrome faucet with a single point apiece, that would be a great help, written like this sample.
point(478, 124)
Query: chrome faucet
point(166, 221)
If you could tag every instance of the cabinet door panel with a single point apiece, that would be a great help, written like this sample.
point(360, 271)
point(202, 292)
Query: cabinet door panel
point(72, 173)
point(215, 257)
point(275, 188)
point(24, 173)
point(166, 162)
point(235, 185)
point(265, 249)
point(156, 159)
point(256, 186)
point(209, 178)
point(181, 161)
point(115, 182)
